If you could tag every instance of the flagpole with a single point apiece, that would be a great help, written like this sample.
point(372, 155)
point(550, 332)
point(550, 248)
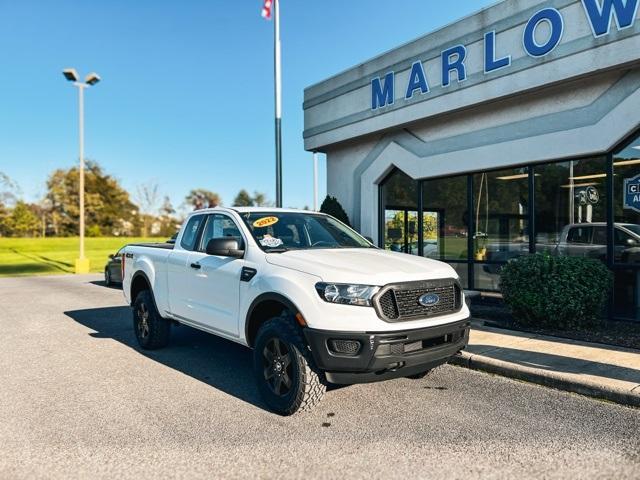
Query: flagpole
point(278, 106)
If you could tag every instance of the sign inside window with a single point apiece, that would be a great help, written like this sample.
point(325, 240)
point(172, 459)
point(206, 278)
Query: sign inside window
point(632, 193)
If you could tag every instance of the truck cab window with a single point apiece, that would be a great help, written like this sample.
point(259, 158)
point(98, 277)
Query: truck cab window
point(219, 226)
point(191, 232)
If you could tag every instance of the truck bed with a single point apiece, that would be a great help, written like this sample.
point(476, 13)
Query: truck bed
point(164, 245)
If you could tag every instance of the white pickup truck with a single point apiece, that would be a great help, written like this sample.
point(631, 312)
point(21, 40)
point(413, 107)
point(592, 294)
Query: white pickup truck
point(317, 302)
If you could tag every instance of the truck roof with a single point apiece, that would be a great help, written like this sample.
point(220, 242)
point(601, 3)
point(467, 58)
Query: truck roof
point(252, 210)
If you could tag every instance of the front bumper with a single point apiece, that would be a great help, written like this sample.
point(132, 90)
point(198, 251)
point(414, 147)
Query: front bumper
point(382, 356)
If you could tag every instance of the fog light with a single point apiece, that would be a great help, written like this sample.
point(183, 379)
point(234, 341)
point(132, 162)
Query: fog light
point(383, 350)
point(344, 347)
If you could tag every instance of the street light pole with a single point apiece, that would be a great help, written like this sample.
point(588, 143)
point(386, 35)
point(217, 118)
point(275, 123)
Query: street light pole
point(82, 263)
point(81, 148)
point(278, 95)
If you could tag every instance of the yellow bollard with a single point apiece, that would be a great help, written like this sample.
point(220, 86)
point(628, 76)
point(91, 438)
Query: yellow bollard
point(82, 265)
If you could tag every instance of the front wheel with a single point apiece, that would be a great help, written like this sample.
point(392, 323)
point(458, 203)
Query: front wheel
point(107, 278)
point(285, 372)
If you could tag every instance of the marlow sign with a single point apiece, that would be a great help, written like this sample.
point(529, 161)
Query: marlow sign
point(599, 13)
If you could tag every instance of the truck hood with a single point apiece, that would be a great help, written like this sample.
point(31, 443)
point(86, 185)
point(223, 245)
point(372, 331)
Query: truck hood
point(368, 266)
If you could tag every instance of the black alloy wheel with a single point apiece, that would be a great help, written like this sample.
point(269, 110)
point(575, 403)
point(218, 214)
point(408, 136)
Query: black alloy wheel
point(287, 378)
point(152, 331)
point(142, 312)
point(277, 367)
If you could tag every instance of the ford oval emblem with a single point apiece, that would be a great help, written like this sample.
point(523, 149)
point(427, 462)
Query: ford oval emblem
point(429, 300)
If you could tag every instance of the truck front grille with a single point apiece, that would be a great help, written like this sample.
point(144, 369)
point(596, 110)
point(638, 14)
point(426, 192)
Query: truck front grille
point(401, 302)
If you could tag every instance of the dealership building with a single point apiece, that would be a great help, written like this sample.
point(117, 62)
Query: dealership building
point(512, 131)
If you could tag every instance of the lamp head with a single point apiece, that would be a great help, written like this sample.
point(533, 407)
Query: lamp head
point(92, 78)
point(70, 74)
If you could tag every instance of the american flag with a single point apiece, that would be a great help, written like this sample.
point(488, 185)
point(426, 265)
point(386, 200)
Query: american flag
point(266, 9)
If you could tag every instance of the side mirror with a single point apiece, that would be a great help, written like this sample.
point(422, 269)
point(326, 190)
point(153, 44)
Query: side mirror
point(631, 242)
point(112, 256)
point(225, 247)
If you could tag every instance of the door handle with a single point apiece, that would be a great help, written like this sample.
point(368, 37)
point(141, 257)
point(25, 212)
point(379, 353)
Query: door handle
point(197, 266)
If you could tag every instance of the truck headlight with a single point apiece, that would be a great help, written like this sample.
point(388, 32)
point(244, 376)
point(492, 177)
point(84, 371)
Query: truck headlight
point(347, 294)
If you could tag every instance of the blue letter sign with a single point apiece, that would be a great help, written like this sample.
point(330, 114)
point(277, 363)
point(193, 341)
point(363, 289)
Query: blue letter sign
point(632, 193)
point(492, 63)
point(600, 12)
point(417, 80)
point(382, 95)
point(556, 25)
point(541, 34)
point(459, 52)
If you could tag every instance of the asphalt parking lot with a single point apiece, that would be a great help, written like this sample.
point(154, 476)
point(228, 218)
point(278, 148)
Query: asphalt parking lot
point(78, 399)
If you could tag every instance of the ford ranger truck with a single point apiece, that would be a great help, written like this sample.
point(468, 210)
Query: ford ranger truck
point(316, 302)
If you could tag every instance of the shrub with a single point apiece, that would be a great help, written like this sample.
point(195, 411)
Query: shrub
point(331, 206)
point(94, 231)
point(556, 291)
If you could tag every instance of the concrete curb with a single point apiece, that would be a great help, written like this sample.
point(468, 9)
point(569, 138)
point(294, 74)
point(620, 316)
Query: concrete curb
point(546, 378)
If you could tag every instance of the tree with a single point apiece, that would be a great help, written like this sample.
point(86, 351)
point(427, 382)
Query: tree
point(167, 209)
point(4, 221)
point(42, 210)
point(107, 204)
point(243, 199)
point(9, 190)
point(168, 222)
point(260, 200)
point(331, 206)
point(147, 198)
point(200, 198)
point(23, 222)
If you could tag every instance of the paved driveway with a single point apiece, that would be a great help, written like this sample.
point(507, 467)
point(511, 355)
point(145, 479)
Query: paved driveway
point(78, 399)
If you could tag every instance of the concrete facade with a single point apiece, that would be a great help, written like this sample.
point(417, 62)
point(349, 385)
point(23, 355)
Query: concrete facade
point(582, 97)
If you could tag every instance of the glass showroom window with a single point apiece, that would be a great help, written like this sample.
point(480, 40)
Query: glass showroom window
point(445, 222)
point(626, 204)
point(626, 234)
point(501, 219)
point(570, 208)
point(400, 202)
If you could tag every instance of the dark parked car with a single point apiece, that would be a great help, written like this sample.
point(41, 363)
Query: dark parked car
point(112, 271)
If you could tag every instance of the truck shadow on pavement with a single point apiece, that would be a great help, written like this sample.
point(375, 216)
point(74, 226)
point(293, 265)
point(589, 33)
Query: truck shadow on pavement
point(102, 283)
point(217, 362)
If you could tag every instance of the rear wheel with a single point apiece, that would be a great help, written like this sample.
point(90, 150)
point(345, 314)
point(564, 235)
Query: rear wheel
point(285, 372)
point(152, 331)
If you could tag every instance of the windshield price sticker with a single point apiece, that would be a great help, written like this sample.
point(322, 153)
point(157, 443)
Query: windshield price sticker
point(271, 242)
point(265, 222)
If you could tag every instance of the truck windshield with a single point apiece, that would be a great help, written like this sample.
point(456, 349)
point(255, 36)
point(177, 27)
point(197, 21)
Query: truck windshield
point(276, 231)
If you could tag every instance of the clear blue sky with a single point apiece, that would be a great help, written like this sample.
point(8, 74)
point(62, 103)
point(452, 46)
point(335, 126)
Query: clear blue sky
point(187, 93)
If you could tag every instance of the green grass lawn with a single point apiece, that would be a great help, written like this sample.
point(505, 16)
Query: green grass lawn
point(46, 256)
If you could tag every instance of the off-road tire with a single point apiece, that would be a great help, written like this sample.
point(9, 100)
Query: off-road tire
point(418, 376)
point(307, 383)
point(153, 331)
